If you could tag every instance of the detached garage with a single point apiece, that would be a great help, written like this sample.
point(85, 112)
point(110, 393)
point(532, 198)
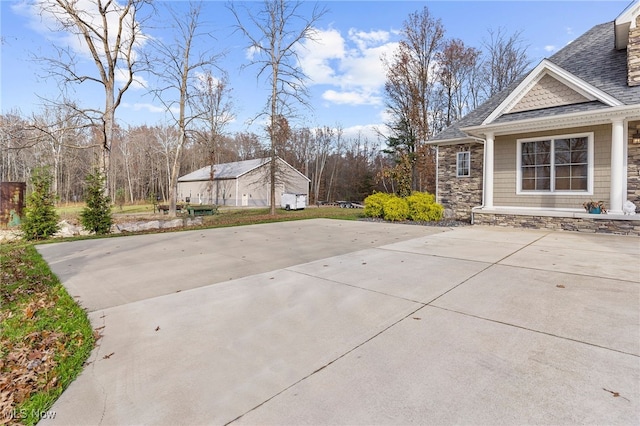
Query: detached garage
point(242, 183)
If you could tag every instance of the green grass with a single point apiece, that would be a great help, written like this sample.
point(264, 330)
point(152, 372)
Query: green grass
point(236, 217)
point(45, 337)
point(72, 210)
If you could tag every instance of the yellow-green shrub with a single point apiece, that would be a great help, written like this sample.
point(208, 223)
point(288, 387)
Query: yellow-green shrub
point(396, 209)
point(423, 207)
point(374, 204)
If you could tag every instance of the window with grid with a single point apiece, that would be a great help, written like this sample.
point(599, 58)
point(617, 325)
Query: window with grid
point(463, 164)
point(555, 165)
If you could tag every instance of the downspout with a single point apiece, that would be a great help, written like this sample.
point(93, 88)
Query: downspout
point(437, 169)
point(484, 168)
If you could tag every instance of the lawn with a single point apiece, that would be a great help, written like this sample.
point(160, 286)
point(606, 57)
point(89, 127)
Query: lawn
point(234, 217)
point(45, 337)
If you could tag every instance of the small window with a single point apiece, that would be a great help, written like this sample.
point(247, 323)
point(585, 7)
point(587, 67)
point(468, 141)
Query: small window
point(463, 164)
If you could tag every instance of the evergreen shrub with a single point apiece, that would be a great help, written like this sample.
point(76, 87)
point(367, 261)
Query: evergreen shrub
point(40, 217)
point(96, 216)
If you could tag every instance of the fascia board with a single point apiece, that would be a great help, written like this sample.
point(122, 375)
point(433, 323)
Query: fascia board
point(547, 67)
point(603, 116)
point(456, 141)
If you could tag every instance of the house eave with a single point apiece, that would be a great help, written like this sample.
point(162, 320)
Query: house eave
point(455, 141)
point(578, 119)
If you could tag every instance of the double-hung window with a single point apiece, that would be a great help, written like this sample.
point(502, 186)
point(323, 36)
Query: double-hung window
point(463, 164)
point(560, 164)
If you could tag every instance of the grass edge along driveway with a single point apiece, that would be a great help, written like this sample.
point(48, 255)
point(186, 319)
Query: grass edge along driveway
point(45, 337)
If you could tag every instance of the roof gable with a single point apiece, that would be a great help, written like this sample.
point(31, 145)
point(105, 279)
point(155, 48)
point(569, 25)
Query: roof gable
point(548, 92)
point(539, 81)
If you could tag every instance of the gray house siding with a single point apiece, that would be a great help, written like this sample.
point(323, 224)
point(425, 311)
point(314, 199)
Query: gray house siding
point(250, 189)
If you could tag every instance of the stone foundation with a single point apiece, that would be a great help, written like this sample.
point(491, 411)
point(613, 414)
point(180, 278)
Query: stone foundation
point(599, 224)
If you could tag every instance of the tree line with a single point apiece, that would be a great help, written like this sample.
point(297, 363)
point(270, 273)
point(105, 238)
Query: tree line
point(431, 81)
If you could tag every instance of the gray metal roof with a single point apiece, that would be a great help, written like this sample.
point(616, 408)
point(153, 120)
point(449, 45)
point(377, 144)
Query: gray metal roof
point(592, 57)
point(224, 171)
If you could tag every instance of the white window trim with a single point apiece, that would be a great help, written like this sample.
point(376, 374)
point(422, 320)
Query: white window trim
point(590, 165)
point(458, 164)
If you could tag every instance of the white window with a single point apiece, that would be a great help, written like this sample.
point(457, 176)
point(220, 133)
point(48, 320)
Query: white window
point(558, 164)
point(463, 164)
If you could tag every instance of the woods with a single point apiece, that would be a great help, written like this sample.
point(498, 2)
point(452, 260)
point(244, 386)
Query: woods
point(431, 81)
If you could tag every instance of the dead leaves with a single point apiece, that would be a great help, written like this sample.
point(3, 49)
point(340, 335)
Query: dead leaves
point(27, 368)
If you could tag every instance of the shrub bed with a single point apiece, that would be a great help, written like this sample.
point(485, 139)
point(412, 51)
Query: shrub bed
point(419, 207)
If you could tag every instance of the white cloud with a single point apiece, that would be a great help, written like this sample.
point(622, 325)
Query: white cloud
point(352, 65)
point(318, 55)
point(251, 52)
point(550, 48)
point(351, 97)
point(369, 132)
point(140, 106)
point(365, 40)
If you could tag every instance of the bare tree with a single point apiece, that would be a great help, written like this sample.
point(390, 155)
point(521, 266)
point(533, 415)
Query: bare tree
point(506, 60)
point(110, 32)
point(409, 89)
point(456, 63)
point(59, 127)
point(213, 104)
point(15, 144)
point(178, 75)
point(275, 32)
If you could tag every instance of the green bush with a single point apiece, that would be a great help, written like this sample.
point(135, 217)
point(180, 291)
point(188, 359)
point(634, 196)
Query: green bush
point(419, 206)
point(40, 217)
point(423, 207)
point(374, 204)
point(96, 216)
point(396, 209)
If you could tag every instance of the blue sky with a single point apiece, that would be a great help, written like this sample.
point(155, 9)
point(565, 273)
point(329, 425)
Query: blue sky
point(345, 69)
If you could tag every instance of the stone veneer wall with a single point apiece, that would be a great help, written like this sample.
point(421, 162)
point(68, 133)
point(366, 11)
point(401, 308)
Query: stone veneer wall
point(633, 55)
point(633, 174)
point(459, 194)
point(595, 225)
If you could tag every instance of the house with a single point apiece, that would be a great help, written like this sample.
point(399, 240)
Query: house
point(565, 133)
point(242, 183)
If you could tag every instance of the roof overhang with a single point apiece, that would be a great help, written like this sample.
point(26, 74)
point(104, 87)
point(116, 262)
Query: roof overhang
point(577, 119)
point(455, 141)
point(546, 67)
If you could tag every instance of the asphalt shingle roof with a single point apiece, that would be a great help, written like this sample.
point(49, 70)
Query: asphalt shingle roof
point(592, 57)
point(225, 170)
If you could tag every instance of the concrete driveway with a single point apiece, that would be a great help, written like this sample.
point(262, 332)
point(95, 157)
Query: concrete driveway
point(337, 322)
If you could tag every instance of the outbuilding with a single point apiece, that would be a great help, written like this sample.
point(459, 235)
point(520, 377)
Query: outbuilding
point(241, 183)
